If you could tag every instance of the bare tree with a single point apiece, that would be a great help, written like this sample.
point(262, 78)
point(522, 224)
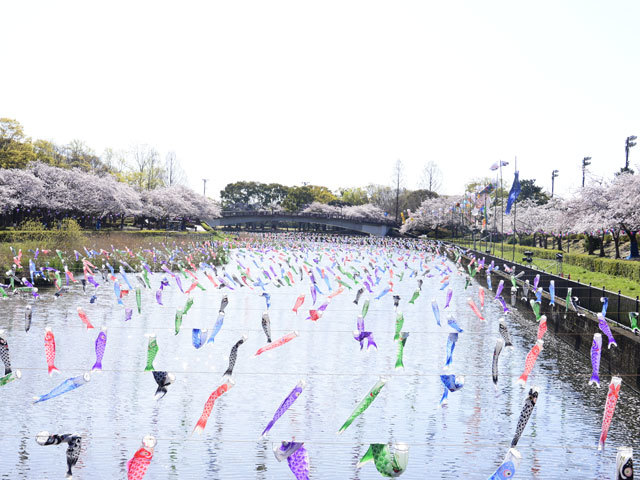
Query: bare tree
point(146, 172)
point(431, 177)
point(114, 160)
point(174, 174)
point(155, 172)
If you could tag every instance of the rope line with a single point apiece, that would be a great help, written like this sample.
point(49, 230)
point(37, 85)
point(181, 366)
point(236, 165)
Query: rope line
point(316, 374)
point(203, 438)
point(257, 330)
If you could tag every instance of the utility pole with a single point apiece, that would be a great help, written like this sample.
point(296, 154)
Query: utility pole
point(554, 174)
point(586, 161)
point(204, 187)
point(628, 144)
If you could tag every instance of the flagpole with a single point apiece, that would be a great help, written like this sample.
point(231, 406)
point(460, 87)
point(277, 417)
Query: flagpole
point(486, 223)
point(495, 218)
point(501, 214)
point(515, 211)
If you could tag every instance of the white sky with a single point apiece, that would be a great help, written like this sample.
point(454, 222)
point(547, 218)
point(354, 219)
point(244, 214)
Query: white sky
point(332, 92)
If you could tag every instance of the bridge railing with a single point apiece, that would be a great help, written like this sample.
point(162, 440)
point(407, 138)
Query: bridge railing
point(267, 213)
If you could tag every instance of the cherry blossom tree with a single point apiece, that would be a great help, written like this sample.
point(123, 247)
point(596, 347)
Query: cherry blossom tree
point(623, 197)
point(433, 214)
point(323, 209)
point(52, 193)
point(367, 211)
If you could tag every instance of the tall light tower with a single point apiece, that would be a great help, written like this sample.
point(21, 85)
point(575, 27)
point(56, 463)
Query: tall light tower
point(554, 174)
point(627, 145)
point(586, 161)
point(204, 187)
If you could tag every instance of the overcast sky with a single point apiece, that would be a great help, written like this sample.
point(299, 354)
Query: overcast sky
point(332, 92)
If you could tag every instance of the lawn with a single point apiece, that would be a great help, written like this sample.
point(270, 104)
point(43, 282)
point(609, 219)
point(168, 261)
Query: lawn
point(612, 283)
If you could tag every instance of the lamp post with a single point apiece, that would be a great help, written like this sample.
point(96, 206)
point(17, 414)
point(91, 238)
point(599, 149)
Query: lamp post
point(204, 187)
point(586, 161)
point(554, 174)
point(627, 145)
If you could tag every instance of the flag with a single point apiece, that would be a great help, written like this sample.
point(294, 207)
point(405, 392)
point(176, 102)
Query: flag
point(497, 165)
point(513, 193)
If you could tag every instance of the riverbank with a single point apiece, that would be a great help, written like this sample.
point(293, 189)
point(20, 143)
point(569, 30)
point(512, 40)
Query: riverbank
point(613, 275)
point(576, 328)
point(53, 249)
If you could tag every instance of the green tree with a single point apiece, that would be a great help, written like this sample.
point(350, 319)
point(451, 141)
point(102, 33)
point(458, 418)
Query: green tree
point(321, 194)
point(239, 195)
point(383, 197)
point(16, 150)
point(272, 194)
point(297, 198)
point(412, 199)
point(353, 196)
point(47, 152)
point(530, 191)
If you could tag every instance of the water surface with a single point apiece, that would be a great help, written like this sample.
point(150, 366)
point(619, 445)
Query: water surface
point(466, 439)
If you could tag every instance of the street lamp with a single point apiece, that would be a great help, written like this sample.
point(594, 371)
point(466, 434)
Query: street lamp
point(586, 161)
point(554, 174)
point(628, 144)
point(204, 187)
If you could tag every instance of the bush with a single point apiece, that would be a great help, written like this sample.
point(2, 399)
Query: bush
point(70, 232)
point(527, 241)
point(33, 230)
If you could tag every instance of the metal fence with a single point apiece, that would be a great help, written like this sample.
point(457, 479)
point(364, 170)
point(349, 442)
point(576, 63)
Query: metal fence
point(588, 296)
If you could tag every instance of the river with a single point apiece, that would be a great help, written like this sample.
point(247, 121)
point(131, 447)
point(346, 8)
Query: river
point(466, 439)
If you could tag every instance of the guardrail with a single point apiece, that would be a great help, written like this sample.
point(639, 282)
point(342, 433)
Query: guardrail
point(588, 296)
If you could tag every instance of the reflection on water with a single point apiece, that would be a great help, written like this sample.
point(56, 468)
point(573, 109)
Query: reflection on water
point(466, 439)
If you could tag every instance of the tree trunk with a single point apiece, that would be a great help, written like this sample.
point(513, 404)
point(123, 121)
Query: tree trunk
point(545, 242)
point(560, 242)
point(633, 247)
point(602, 246)
point(590, 246)
point(616, 242)
point(436, 232)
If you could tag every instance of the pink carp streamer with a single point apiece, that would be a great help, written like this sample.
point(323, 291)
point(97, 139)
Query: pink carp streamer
point(278, 343)
point(532, 356)
point(609, 409)
point(474, 307)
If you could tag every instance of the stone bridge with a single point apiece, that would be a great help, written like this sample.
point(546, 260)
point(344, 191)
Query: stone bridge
point(373, 227)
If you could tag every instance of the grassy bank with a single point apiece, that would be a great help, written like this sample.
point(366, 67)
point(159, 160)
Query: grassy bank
point(71, 239)
point(613, 275)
